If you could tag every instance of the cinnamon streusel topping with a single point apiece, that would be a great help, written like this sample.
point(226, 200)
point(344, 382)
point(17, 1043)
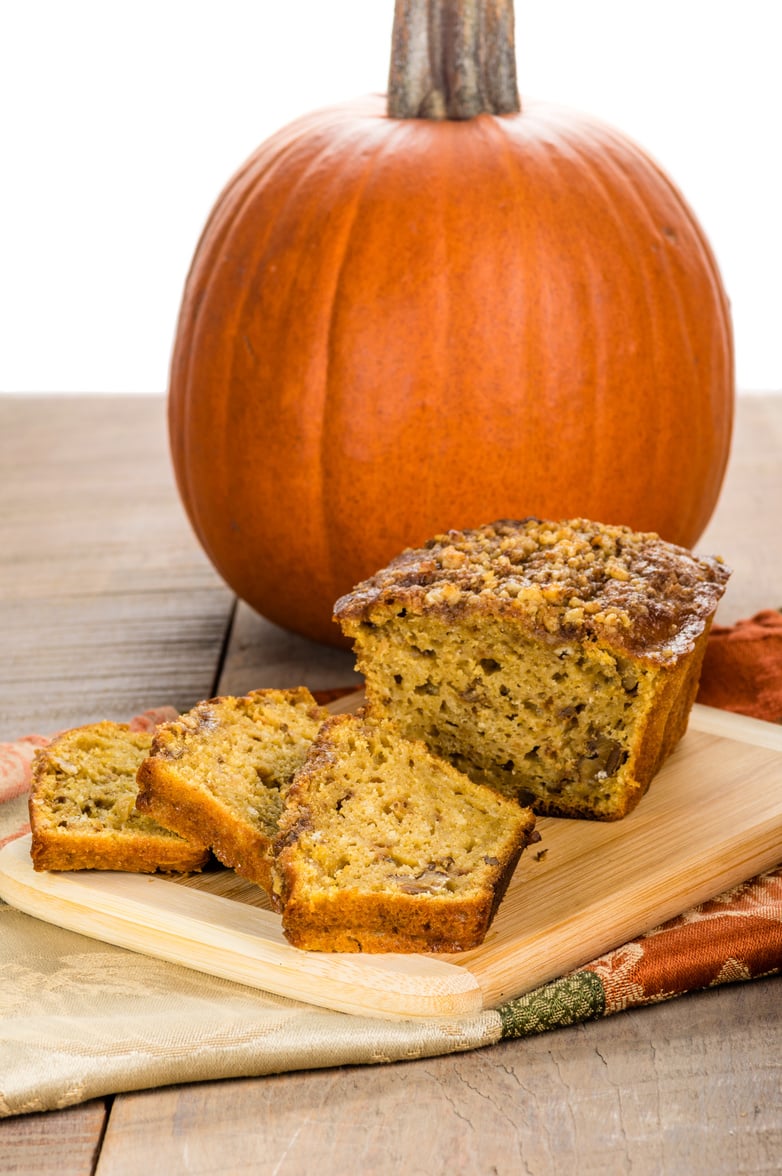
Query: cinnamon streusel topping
point(571, 580)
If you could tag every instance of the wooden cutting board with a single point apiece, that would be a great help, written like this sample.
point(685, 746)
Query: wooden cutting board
point(712, 819)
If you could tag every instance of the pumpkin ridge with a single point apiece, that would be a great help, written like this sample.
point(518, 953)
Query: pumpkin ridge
point(706, 253)
point(596, 164)
point(240, 189)
point(586, 261)
point(331, 523)
point(610, 134)
point(710, 267)
point(322, 559)
point(614, 171)
point(660, 438)
point(225, 220)
point(595, 346)
point(689, 319)
point(528, 162)
point(499, 130)
point(228, 463)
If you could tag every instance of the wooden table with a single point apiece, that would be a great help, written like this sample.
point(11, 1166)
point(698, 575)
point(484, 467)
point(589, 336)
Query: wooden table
point(107, 607)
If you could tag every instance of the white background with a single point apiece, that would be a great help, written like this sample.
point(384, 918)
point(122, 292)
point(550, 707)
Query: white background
point(120, 122)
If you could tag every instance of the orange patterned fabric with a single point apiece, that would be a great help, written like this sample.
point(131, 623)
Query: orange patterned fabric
point(15, 761)
point(736, 936)
point(742, 669)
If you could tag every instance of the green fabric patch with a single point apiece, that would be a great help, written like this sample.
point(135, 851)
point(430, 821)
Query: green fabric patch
point(569, 1001)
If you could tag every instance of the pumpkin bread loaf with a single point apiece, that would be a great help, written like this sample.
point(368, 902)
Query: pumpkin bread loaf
point(82, 807)
point(556, 661)
point(218, 773)
point(385, 847)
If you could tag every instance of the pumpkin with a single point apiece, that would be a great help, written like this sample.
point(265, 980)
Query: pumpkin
point(436, 310)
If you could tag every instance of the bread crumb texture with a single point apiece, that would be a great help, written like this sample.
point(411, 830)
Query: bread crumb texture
point(82, 806)
point(556, 661)
point(385, 847)
point(218, 773)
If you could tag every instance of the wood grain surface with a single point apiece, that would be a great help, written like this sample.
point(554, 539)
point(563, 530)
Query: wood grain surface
point(107, 606)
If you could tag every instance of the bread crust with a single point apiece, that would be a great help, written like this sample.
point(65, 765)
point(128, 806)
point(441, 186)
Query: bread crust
point(204, 820)
point(177, 781)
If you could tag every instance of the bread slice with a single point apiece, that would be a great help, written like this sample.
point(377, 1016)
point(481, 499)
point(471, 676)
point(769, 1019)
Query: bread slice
point(82, 807)
point(217, 774)
point(555, 661)
point(384, 847)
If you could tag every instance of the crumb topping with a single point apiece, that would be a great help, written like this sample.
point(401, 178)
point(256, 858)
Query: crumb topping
point(564, 580)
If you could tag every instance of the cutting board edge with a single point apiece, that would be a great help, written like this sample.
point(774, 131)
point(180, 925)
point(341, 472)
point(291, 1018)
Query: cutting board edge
point(396, 987)
point(496, 990)
point(712, 720)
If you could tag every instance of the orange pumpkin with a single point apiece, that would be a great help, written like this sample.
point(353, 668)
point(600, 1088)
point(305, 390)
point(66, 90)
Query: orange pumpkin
point(394, 325)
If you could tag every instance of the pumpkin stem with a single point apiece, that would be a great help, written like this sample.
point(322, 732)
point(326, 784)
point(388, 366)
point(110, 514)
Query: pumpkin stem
point(452, 59)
